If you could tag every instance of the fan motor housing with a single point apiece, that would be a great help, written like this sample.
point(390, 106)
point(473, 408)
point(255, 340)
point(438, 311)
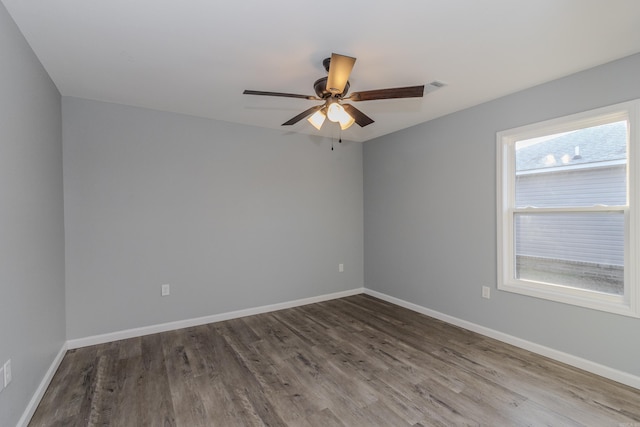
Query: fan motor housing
point(320, 87)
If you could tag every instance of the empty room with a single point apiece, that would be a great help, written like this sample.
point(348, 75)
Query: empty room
point(307, 214)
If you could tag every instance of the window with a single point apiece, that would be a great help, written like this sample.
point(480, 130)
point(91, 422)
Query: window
point(568, 209)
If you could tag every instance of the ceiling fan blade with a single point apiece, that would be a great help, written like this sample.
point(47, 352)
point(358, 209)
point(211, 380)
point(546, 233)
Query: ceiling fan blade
point(361, 118)
point(339, 70)
point(286, 95)
point(398, 92)
point(303, 115)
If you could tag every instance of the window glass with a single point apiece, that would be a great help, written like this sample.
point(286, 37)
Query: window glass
point(580, 250)
point(586, 167)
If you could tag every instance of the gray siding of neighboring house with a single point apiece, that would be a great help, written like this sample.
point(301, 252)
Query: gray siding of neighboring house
point(592, 238)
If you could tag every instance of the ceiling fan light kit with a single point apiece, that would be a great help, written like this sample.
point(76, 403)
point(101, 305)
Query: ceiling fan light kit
point(333, 91)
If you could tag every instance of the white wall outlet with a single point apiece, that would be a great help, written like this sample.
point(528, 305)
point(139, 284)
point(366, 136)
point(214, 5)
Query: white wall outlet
point(166, 290)
point(7, 372)
point(486, 292)
point(1, 378)
point(341, 268)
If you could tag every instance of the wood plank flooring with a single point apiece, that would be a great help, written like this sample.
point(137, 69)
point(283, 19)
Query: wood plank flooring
point(355, 361)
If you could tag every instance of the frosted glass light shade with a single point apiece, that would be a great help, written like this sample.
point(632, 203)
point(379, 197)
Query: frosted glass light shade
point(346, 121)
point(335, 111)
point(317, 119)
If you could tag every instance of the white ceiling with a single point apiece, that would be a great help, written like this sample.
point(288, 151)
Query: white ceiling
point(197, 56)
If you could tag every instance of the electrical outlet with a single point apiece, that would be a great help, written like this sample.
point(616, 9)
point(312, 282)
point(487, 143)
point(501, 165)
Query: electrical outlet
point(7, 372)
point(486, 292)
point(341, 268)
point(166, 290)
point(1, 378)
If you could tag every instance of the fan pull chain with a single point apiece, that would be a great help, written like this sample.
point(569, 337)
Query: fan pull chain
point(332, 145)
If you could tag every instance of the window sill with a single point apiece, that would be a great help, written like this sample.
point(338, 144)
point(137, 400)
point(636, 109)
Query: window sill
point(616, 304)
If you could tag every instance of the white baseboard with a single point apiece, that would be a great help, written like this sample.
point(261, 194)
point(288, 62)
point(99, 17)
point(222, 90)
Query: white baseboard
point(37, 396)
point(569, 359)
point(171, 326)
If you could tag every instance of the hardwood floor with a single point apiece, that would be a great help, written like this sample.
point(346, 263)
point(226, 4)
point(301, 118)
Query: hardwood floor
point(355, 361)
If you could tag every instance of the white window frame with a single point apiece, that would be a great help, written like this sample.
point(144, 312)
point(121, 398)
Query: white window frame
point(627, 304)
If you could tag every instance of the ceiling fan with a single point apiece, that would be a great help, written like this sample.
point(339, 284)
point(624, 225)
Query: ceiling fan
point(333, 90)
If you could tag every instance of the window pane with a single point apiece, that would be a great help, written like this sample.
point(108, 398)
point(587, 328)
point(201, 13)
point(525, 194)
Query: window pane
point(585, 167)
point(580, 250)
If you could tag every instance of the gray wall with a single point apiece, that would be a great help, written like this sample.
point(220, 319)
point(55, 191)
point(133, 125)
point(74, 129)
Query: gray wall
point(430, 218)
point(233, 217)
point(32, 325)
